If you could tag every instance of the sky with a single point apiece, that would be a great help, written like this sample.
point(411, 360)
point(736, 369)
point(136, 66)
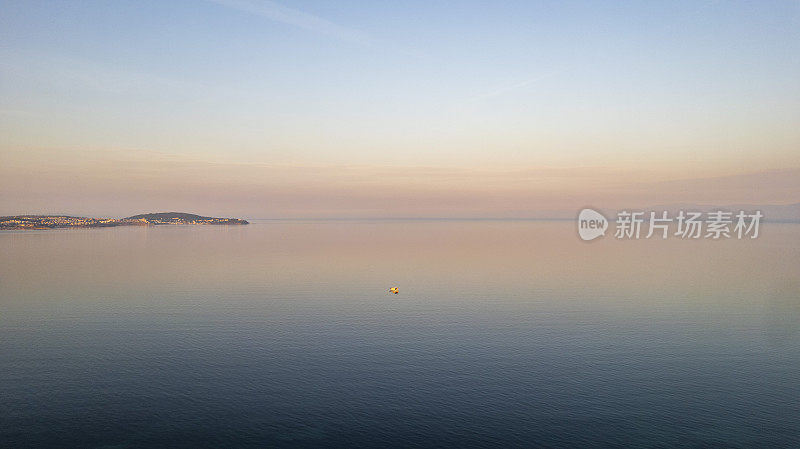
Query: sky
point(265, 109)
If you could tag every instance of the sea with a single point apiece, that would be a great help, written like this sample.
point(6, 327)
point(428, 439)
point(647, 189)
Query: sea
point(504, 333)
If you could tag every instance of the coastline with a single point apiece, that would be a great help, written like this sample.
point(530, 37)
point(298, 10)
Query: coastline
point(44, 222)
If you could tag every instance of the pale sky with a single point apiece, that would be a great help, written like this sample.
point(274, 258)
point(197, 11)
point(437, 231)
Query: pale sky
point(377, 108)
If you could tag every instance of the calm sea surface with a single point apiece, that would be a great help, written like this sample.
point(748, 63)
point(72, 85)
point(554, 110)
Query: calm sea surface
point(504, 334)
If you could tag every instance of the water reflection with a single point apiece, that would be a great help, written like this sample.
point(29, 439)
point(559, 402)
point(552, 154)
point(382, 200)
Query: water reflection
point(503, 333)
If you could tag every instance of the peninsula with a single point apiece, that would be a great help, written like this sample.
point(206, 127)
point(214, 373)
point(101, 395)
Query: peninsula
point(64, 221)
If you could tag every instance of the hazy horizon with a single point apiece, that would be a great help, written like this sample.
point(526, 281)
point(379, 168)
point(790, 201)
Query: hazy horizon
point(105, 186)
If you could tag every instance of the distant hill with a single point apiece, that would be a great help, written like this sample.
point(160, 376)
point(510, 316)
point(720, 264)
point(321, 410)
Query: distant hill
point(182, 218)
point(170, 216)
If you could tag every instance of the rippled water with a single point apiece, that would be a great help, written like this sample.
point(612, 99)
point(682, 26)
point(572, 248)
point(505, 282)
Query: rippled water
point(505, 333)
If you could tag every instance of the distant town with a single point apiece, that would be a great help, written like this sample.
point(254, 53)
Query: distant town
point(64, 221)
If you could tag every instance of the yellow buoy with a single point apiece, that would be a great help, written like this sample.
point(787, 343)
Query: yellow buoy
point(394, 290)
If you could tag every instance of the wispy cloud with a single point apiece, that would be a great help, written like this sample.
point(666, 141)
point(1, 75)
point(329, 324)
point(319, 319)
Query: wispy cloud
point(502, 90)
point(279, 13)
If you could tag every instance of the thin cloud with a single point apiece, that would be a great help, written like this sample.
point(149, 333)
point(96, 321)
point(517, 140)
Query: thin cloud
point(315, 24)
point(289, 16)
point(511, 88)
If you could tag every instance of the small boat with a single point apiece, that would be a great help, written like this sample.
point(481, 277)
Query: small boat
point(394, 290)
